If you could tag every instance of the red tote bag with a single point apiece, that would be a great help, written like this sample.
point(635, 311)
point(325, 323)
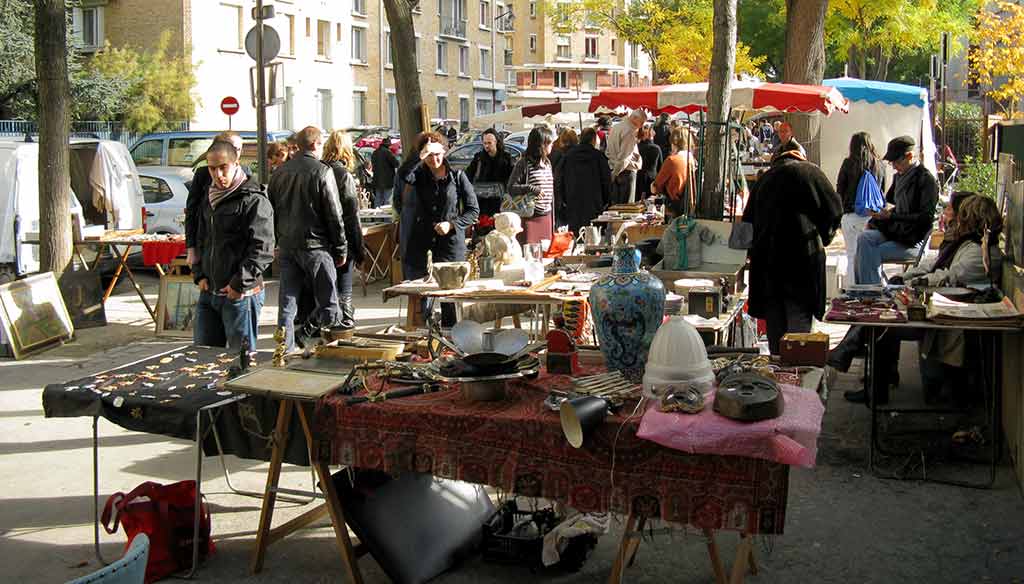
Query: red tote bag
point(166, 514)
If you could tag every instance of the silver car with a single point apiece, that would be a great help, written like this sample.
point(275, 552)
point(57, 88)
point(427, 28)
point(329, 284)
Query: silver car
point(165, 190)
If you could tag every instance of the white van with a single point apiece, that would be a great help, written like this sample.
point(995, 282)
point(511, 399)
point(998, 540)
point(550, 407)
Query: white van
point(104, 184)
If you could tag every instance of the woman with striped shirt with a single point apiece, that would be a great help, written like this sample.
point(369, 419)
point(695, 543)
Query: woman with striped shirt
point(532, 176)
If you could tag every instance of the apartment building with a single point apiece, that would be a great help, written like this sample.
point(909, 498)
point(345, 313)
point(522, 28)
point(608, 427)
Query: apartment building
point(553, 63)
point(317, 77)
point(462, 72)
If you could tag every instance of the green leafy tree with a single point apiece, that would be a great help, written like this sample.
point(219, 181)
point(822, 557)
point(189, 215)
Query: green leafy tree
point(870, 35)
point(685, 54)
point(158, 85)
point(762, 28)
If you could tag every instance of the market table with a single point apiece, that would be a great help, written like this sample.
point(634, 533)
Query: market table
point(517, 445)
point(379, 248)
point(174, 394)
point(989, 338)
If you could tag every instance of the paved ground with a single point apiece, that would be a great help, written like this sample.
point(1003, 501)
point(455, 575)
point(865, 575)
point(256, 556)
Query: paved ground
point(844, 525)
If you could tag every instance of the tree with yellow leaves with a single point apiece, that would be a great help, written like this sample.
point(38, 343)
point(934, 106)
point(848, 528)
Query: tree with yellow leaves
point(675, 34)
point(997, 58)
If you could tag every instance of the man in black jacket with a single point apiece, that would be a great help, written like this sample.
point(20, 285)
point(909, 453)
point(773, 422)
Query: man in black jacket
point(492, 164)
point(310, 237)
point(898, 233)
point(234, 244)
point(384, 163)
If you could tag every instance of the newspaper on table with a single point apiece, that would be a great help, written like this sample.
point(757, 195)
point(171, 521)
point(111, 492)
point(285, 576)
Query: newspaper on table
point(944, 310)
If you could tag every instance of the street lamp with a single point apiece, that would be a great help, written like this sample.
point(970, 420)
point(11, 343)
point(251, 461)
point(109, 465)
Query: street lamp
point(494, 52)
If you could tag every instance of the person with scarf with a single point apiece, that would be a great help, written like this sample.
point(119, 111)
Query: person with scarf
point(795, 213)
point(234, 246)
point(970, 258)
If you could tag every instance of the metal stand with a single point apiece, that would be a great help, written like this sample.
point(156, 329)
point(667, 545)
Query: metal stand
point(212, 411)
point(989, 387)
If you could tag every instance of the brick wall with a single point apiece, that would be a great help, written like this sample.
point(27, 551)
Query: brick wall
point(139, 23)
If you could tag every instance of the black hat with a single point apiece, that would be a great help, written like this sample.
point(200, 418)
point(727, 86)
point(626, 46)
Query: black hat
point(898, 148)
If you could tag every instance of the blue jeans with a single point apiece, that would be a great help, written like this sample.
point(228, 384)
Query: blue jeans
point(347, 309)
point(222, 322)
point(382, 197)
point(873, 249)
point(299, 267)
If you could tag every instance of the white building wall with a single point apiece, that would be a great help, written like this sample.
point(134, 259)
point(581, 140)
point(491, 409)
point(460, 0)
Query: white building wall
point(222, 68)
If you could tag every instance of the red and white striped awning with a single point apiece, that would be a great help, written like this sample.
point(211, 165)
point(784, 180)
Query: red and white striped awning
point(746, 95)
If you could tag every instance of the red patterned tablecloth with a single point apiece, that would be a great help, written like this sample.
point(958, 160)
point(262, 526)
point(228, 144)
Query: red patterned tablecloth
point(517, 445)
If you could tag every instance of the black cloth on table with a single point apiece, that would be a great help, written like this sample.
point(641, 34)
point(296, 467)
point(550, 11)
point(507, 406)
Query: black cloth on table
point(165, 405)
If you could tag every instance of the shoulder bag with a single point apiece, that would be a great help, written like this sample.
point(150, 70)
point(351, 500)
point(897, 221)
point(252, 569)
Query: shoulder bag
point(523, 205)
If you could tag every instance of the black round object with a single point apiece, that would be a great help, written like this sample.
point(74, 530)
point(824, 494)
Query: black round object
point(748, 397)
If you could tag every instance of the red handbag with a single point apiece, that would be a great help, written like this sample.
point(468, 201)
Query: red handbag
point(560, 243)
point(165, 513)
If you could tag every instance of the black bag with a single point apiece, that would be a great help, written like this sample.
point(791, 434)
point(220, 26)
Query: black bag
point(489, 190)
point(742, 234)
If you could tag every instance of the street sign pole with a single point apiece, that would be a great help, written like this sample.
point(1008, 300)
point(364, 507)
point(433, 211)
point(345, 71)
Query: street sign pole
point(261, 98)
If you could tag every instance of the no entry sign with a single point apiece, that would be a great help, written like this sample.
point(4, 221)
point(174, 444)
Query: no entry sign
point(229, 105)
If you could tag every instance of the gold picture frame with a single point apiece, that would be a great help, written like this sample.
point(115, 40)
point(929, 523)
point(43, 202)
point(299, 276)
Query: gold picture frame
point(176, 306)
point(33, 314)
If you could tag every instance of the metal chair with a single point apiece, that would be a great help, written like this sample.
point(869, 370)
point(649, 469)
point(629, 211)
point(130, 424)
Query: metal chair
point(908, 263)
point(130, 569)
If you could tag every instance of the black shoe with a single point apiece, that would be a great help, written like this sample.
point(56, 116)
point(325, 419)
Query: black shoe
point(858, 397)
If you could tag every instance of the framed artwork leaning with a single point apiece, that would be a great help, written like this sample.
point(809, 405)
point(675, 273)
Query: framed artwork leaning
point(176, 306)
point(33, 314)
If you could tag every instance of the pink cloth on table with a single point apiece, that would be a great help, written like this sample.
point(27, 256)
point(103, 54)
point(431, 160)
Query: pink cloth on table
point(791, 439)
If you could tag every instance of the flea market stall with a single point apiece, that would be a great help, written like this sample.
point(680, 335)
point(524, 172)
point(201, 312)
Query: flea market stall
point(884, 110)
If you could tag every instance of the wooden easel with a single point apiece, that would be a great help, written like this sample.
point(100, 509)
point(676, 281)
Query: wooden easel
point(630, 543)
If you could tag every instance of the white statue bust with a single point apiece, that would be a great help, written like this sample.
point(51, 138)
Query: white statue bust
point(502, 241)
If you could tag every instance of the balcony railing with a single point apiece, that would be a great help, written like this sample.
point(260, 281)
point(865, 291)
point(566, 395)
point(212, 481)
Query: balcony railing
point(505, 24)
point(453, 28)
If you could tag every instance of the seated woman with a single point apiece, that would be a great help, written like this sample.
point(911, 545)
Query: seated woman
point(969, 257)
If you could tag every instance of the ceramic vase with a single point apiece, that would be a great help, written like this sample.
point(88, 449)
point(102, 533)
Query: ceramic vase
point(628, 306)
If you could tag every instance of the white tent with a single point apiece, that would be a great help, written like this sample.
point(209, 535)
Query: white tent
point(884, 110)
point(555, 113)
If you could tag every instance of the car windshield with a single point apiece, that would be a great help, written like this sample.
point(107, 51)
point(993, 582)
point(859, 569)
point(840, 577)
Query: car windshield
point(186, 151)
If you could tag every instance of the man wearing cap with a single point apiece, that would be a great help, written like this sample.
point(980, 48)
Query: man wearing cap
point(898, 232)
point(310, 237)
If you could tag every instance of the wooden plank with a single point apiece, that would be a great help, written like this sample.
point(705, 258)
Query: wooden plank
point(285, 529)
point(716, 559)
point(284, 417)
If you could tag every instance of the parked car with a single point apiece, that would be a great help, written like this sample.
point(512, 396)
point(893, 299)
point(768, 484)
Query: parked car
point(460, 156)
point(370, 138)
point(165, 190)
point(518, 138)
point(184, 149)
point(101, 171)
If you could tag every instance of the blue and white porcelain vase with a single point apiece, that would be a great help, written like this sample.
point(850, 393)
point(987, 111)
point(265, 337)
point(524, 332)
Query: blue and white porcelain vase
point(628, 306)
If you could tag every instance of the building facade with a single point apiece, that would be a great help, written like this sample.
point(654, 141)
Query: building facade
point(461, 68)
point(475, 57)
point(555, 63)
point(316, 77)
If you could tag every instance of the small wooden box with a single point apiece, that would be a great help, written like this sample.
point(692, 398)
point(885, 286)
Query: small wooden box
point(707, 302)
point(804, 349)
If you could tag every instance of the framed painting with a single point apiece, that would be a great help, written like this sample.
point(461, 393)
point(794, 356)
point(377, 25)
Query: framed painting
point(33, 314)
point(176, 306)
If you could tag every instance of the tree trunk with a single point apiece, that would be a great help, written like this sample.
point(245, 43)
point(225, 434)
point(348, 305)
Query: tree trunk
point(54, 125)
point(407, 77)
point(805, 64)
point(723, 65)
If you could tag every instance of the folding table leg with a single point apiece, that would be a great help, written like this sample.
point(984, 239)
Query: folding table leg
point(317, 457)
point(742, 563)
point(284, 416)
point(96, 490)
point(716, 560)
point(621, 557)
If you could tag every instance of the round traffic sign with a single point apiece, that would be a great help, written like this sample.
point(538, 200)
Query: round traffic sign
point(229, 105)
point(271, 43)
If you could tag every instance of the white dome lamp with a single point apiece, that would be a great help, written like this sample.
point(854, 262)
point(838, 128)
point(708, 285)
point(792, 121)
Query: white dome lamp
point(677, 360)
